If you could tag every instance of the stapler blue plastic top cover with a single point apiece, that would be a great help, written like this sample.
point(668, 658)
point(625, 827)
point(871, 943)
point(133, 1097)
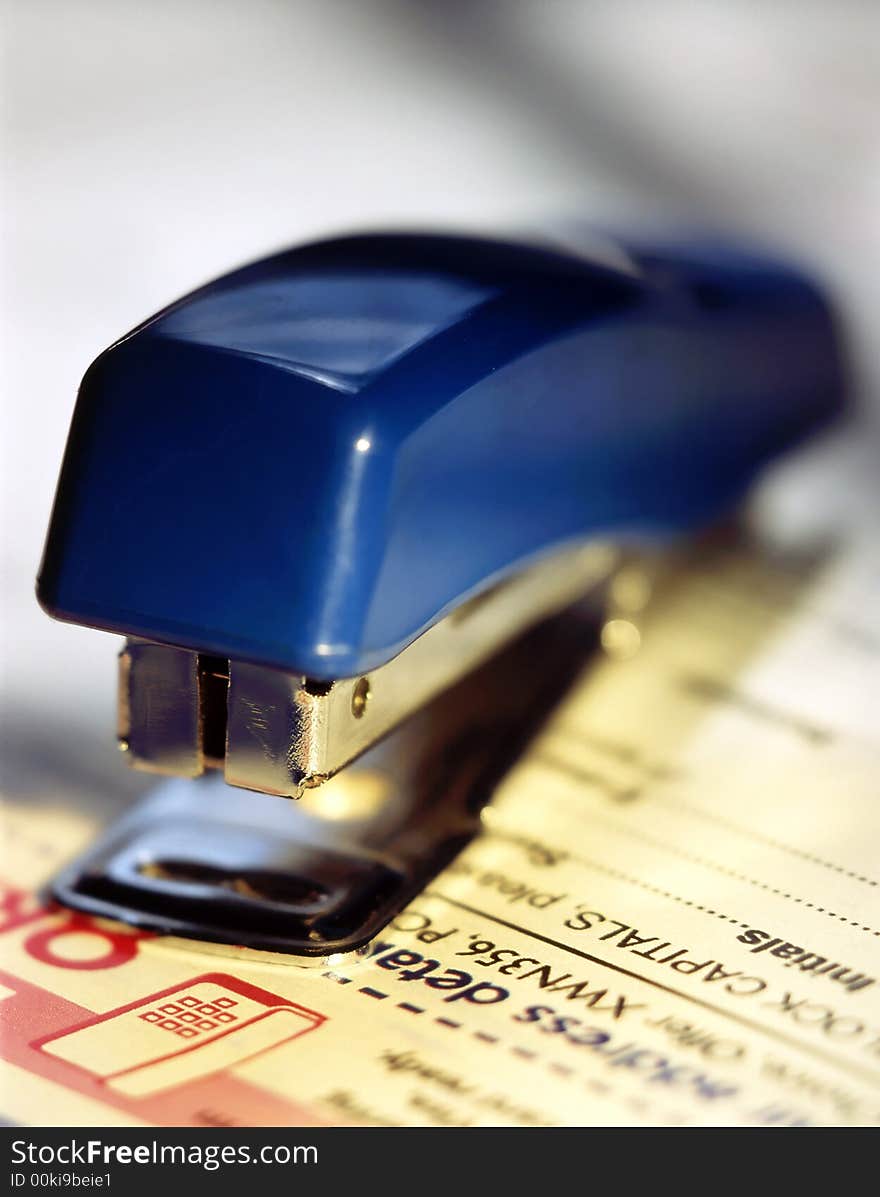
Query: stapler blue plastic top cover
point(289, 488)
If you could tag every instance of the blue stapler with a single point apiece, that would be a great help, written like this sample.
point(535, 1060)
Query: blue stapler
point(327, 488)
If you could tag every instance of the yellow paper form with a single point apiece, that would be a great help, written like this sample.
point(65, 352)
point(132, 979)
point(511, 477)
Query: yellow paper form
point(673, 915)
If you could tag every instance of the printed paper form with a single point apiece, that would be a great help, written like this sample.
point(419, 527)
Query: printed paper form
point(673, 915)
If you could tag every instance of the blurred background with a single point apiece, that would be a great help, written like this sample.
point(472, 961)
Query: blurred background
point(149, 147)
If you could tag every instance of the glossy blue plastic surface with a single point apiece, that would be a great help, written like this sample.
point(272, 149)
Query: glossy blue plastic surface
point(308, 462)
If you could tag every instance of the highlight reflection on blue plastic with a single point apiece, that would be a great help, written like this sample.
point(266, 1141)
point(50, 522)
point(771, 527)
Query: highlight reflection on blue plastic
point(311, 460)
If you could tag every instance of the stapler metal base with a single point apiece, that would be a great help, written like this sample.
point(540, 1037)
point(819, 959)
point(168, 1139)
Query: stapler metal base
point(325, 874)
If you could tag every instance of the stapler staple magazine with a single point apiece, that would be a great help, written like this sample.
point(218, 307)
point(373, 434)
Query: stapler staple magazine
point(344, 503)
